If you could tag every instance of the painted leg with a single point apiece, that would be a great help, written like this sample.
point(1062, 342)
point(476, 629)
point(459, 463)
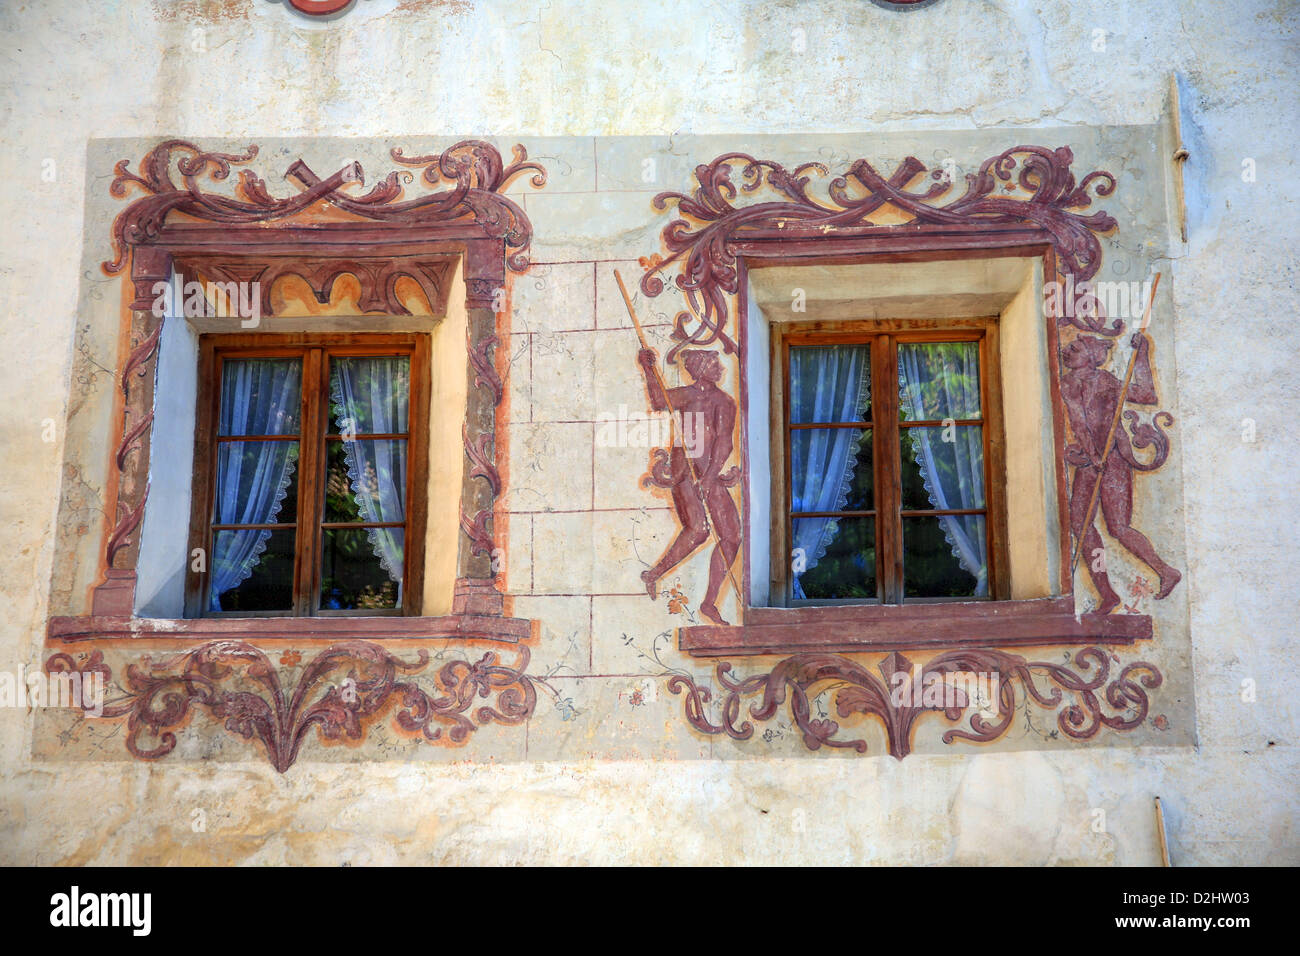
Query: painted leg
point(1117, 509)
point(1080, 497)
point(726, 520)
point(694, 532)
point(1097, 571)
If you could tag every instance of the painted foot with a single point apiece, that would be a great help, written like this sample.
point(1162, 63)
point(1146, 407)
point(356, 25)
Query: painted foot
point(711, 612)
point(650, 585)
point(1109, 603)
point(1168, 581)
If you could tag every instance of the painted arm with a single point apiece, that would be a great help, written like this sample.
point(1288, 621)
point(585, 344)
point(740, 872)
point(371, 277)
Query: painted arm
point(659, 400)
point(647, 359)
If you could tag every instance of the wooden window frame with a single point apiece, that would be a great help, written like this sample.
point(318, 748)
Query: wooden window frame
point(315, 350)
point(461, 241)
point(883, 337)
point(773, 629)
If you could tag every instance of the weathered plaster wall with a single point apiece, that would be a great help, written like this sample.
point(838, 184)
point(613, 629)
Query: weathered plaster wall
point(247, 70)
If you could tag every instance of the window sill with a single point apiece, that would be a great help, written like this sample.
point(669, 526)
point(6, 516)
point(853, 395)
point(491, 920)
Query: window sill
point(849, 628)
point(477, 627)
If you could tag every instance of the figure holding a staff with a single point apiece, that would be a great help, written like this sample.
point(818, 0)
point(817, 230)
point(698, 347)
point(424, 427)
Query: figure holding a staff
point(1103, 453)
point(700, 489)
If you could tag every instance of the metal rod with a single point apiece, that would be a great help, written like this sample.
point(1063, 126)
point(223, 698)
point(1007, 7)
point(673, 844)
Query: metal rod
point(1164, 839)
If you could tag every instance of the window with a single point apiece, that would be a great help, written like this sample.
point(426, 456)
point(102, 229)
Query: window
point(310, 474)
point(889, 463)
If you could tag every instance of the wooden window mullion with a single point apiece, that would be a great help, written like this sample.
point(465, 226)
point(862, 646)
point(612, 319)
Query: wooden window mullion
point(315, 409)
point(889, 483)
point(417, 478)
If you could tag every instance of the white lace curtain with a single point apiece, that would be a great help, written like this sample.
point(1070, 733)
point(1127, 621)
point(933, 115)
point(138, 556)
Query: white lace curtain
point(938, 382)
point(258, 397)
point(371, 396)
point(827, 384)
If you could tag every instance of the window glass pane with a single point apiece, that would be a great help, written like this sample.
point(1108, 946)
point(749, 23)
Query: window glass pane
point(830, 383)
point(941, 475)
point(362, 568)
point(368, 396)
point(830, 469)
point(938, 381)
point(837, 557)
point(257, 482)
point(260, 396)
point(252, 570)
point(945, 557)
point(365, 480)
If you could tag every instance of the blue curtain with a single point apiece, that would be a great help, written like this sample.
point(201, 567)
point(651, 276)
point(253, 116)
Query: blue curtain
point(827, 384)
point(938, 382)
point(370, 397)
point(258, 397)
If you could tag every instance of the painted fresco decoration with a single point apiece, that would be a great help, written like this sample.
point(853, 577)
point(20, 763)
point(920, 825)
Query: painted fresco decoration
point(340, 692)
point(703, 244)
point(475, 169)
point(474, 201)
point(1025, 185)
point(1104, 467)
point(343, 689)
point(901, 695)
point(349, 689)
point(1037, 187)
point(693, 470)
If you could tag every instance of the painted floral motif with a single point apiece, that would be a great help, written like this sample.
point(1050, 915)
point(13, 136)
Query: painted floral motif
point(704, 241)
point(340, 692)
point(1087, 679)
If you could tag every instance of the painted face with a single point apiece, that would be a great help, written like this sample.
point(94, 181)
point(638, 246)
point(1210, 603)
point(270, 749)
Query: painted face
point(703, 366)
point(1085, 352)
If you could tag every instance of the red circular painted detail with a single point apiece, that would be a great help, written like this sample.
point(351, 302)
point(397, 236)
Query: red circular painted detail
point(318, 8)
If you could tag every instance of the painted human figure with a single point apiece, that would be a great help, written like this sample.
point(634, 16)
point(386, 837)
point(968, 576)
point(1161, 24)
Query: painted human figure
point(700, 495)
point(1091, 395)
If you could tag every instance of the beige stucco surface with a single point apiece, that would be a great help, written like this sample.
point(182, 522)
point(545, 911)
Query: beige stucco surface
point(408, 73)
